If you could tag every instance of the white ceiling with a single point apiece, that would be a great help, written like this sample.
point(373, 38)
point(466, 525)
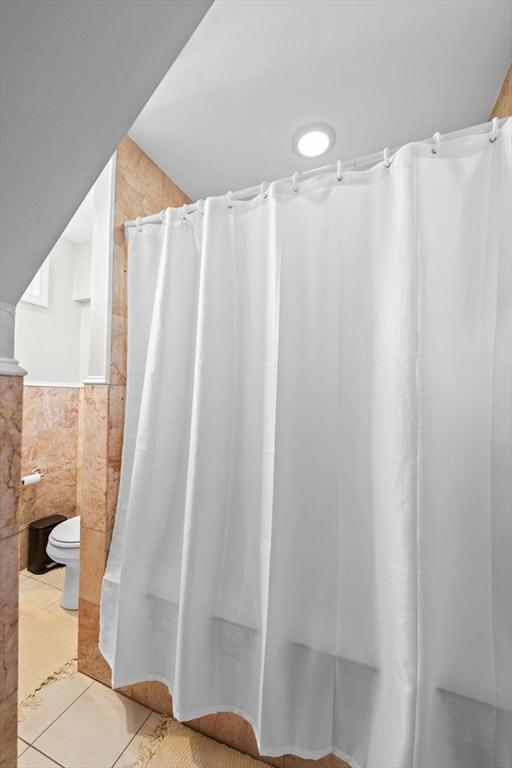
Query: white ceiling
point(382, 72)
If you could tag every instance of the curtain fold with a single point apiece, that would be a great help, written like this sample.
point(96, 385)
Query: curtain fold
point(314, 519)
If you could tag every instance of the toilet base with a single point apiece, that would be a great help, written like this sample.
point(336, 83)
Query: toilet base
point(69, 597)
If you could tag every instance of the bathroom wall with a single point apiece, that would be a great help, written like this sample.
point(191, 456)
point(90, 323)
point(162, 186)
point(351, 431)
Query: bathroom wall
point(140, 188)
point(52, 344)
point(49, 442)
point(503, 104)
point(48, 338)
point(11, 403)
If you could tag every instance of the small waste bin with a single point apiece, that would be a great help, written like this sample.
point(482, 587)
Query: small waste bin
point(38, 533)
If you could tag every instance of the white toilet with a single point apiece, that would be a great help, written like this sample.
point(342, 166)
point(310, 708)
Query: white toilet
point(64, 547)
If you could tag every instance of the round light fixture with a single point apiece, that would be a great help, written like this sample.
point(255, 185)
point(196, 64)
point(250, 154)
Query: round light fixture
point(314, 139)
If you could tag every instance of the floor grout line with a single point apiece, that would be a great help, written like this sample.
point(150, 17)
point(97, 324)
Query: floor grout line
point(48, 756)
point(64, 710)
point(151, 712)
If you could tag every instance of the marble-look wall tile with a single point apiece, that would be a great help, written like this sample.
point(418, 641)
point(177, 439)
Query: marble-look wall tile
point(90, 660)
point(49, 442)
point(11, 412)
point(138, 172)
point(80, 449)
point(120, 280)
point(116, 405)
point(113, 476)
point(8, 616)
point(118, 353)
point(8, 729)
point(93, 558)
point(329, 761)
point(94, 492)
point(22, 548)
point(153, 694)
point(172, 195)
point(11, 405)
point(95, 420)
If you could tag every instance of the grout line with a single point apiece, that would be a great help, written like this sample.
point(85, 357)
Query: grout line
point(36, 577)
point(27, 745)
point(151, 712)
point(45, 755)
point(64, 710)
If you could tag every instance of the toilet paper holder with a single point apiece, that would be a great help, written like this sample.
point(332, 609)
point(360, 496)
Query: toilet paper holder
point(35, 476)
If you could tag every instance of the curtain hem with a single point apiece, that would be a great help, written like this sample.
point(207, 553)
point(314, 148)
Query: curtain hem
point(264, 750)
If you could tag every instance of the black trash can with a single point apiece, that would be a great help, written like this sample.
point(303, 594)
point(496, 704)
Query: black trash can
point(38, 533)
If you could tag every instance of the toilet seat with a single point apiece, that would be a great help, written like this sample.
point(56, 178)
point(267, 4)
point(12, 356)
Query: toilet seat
point(66, 534)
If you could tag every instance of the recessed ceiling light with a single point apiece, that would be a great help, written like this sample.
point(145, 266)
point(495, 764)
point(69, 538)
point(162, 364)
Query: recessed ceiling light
point(314, 139)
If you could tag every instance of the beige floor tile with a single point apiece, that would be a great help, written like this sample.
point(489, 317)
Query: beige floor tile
point(31, 758)
point(37, 592)
point(63, 613)
point(94, 731)
point(22, 746)
point(55, 577)
point(164, 743)
point(47, 642)
point(50, 702)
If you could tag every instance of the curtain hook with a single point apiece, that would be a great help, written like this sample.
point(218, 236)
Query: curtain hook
point(229, 197)
point(138, 224)
point(295, 186)
point(494, 130)
point(339, 175)
point(264, 189)
point(436, 138)
point(387, 161)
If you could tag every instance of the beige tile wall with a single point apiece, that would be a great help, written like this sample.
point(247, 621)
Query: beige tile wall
point(11, 405)
point(49, 442)
point(141, 188)
point(503, 104)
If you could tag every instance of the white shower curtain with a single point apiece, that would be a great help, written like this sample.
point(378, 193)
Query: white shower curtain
point(314, 521)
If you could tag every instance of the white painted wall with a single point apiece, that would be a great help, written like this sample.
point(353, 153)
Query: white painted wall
point(53, 342)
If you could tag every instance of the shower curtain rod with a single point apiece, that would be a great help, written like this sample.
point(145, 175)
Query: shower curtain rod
point(359, 163)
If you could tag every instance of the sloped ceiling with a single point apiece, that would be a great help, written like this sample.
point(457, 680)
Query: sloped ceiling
point(381, 72)
point(74, 76)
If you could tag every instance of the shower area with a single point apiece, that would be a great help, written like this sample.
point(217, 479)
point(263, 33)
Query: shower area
point(293, 501)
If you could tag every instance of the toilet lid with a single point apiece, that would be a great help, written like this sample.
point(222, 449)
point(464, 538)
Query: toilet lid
point(67, 532)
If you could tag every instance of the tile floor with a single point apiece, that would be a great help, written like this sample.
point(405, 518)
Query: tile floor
point(68, 720)
point(48, 634)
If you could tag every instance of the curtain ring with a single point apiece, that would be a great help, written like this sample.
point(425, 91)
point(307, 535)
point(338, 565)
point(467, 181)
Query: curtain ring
point(387, 161)
point(162, 216)
point(494, 130)
point(295, 186)
point(264, 189)
point(229, 197)
point(339, 175)
point(138, 224)
point(436, 138)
